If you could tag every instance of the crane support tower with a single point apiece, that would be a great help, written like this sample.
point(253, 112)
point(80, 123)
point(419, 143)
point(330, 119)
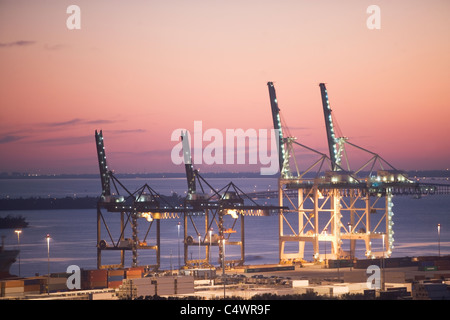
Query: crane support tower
point(331, 208)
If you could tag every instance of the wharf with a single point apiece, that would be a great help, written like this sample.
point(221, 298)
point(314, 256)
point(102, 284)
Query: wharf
point(241, 282)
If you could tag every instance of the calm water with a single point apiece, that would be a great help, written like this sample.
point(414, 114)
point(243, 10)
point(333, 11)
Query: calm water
point(73, 232)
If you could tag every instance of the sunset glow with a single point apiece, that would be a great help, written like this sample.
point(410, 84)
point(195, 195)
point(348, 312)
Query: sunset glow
point(138, 70)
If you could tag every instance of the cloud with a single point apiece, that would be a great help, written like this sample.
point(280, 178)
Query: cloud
point(76, 121)
point(101, 121)
point(64, 123)
point(20, 43)
point(66, 140)
point(157, 152)
point(10, 138)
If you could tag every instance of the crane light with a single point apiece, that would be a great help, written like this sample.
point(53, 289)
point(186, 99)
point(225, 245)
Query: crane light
point(233, 213)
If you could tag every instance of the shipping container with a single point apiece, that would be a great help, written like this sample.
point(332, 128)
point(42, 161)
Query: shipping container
point(31, 281)
point(364, 263)
point(12, 291)
point(115, 278)
point(94, 275)
point(133, 274)
point(12, 283)
point(426, 263)
point(116, 272)
point(143, 291)
point(114, 284)
point(143, 281)
point(340, 263)
point(32, 288)
point(442, 264)
point(300, 283)
point(60, 275)
point(427, 268)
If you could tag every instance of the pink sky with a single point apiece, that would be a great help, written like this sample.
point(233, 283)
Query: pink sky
point(138, 70)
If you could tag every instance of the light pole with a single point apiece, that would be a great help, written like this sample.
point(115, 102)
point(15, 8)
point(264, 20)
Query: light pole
point(171, 269)
point(18, 231)
point(209, 254)
point(199, 240)
point(48, 263)
point(223, 267)
point(325, 231)
point(439, 239)
point(351, 248)
point(179, 264)
point(210, 243)
point(382, 266)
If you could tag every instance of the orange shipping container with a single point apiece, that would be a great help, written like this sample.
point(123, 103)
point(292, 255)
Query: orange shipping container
point(32, 287)
point(132, 274)
point(13, 283)
point(116, 272)
point(114, 284)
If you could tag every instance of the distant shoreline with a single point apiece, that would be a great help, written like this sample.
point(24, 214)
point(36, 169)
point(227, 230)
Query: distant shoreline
point(90, 202)
point(134, 175)
point(48, 203)
point(17, 175)
point(38, 203)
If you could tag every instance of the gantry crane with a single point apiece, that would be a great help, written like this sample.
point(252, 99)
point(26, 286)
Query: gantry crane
point(336, 204)
point(144, 204)
point(224, 209)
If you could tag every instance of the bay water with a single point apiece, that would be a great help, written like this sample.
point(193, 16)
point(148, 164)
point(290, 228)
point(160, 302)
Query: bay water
point(74, 232)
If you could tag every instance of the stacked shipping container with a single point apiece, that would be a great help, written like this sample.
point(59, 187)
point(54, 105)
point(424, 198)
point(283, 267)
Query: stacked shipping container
point(100, 279)
point(94, 279)
point(161, 286)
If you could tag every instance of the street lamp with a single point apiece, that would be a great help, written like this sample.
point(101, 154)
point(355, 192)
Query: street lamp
point(223, 267)
point(209, 253)
point(18, 231)
point(48, 263)
point(171, 269)
point(439, 239)
point(351, 247)
point(210, 243)
point(325, 247)
point(382, 266)
point(179, 264)
point(199, 240)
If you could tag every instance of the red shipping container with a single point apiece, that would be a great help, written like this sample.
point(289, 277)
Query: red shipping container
point(114, 284)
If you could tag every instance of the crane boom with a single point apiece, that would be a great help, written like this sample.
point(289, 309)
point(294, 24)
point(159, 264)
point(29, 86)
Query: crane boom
point(104, 172)
point(190, 175)
point(333, 143)
point(283, 158)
